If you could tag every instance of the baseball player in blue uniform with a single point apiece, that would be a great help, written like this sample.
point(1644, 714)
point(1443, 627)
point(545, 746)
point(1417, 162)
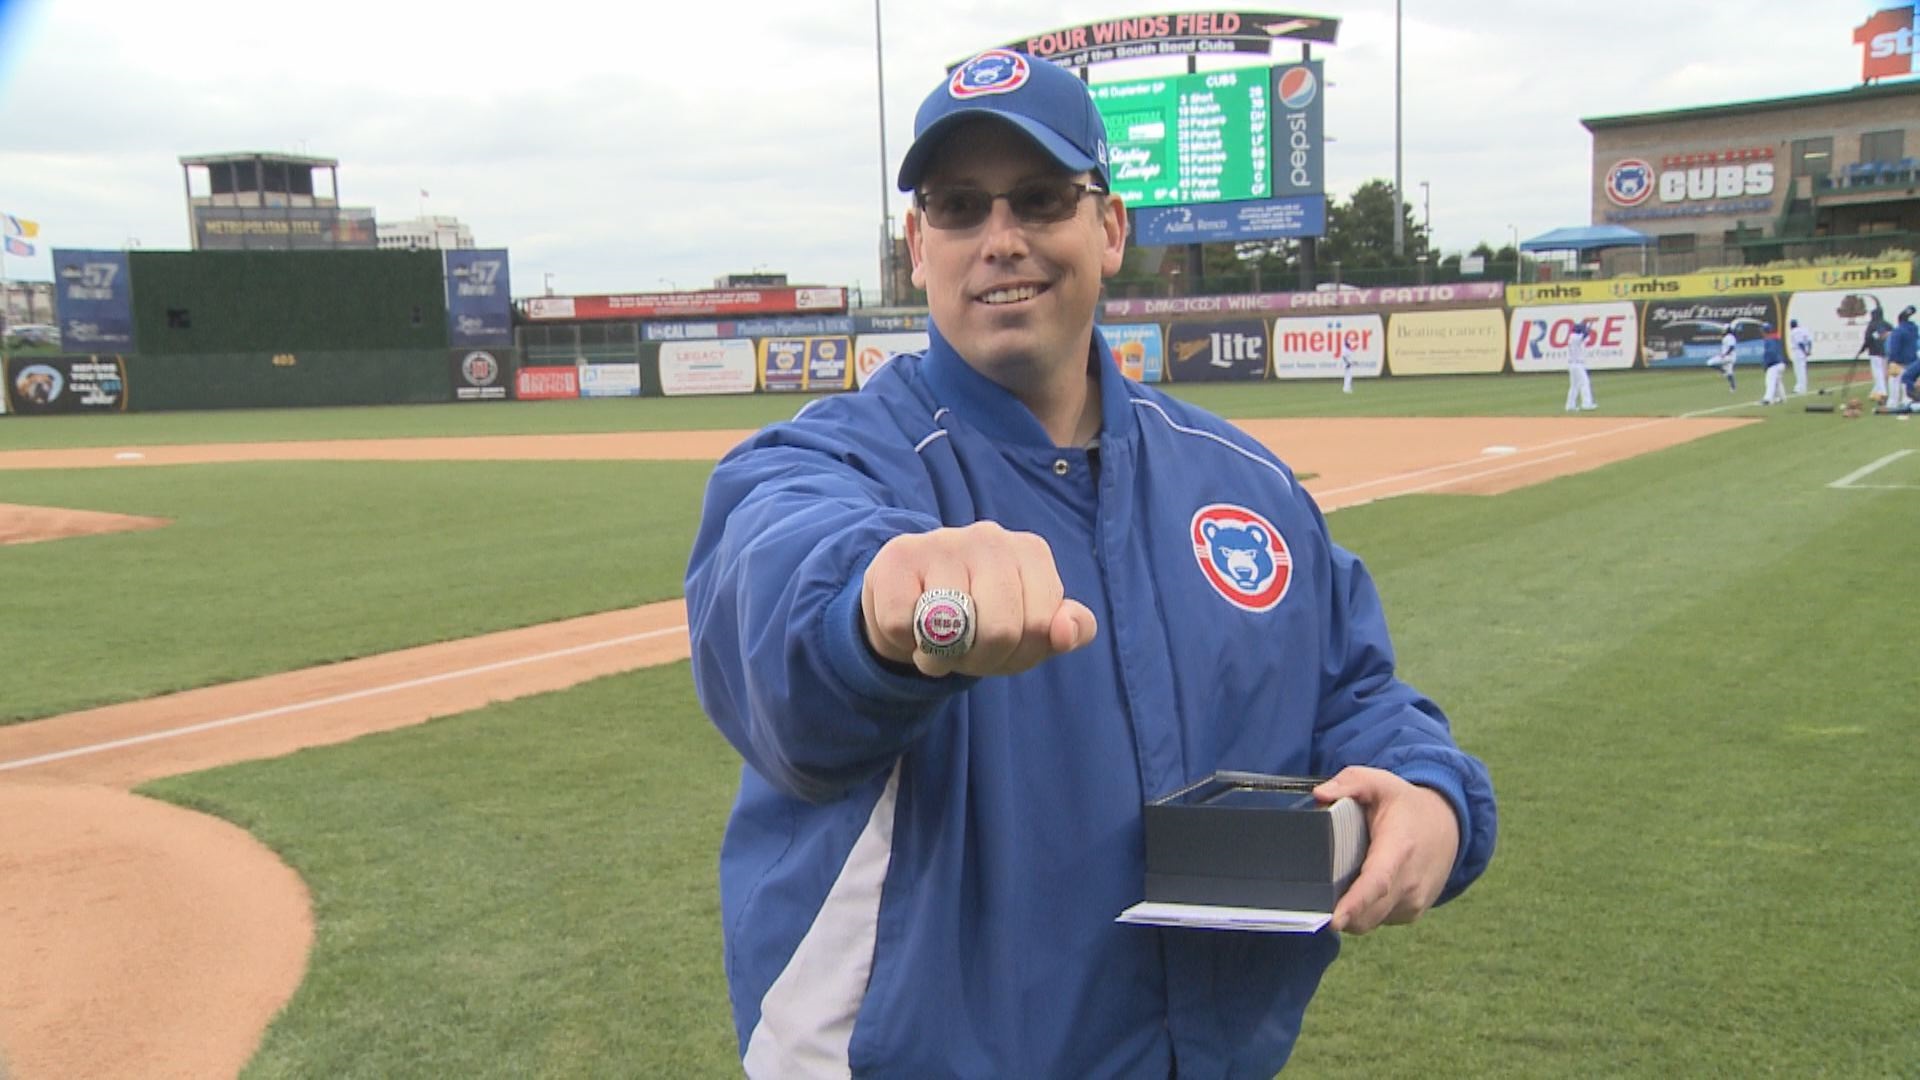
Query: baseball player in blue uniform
point(1903, 348)
point(964, 623)
point(1774, 357)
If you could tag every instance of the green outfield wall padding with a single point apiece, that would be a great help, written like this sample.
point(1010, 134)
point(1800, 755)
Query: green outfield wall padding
point(260, 380)
point(222, 302)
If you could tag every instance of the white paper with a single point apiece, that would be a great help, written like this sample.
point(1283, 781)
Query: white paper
point(1211, 917)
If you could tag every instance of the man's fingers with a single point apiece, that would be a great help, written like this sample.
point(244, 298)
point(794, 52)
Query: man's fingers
point(1073, 626)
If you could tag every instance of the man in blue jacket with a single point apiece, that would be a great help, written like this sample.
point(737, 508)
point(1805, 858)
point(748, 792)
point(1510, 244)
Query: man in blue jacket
point(962, 624)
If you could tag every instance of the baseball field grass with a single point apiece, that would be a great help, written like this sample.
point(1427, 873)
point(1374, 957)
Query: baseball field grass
point(1690, 673)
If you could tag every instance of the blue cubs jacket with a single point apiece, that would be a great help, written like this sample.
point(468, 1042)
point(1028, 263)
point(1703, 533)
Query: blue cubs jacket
point(920, 876)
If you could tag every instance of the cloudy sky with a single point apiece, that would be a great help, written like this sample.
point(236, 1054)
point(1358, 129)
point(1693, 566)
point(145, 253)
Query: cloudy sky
point(640, 146)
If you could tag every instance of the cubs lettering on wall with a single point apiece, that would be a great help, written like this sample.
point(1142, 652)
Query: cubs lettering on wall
point(1217, 351)
point(1678, 333)
point(1838, 318)
point(1309, 348)
point(1538, 336)
point(1447, 342)
point(1136, 348)
point(1737, 180)
point(707, 367)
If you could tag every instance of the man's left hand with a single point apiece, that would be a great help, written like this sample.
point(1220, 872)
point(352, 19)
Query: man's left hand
point(1412, 838)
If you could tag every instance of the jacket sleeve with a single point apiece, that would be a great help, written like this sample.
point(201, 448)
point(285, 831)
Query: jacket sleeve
point(780, 659)
point(1368, 716)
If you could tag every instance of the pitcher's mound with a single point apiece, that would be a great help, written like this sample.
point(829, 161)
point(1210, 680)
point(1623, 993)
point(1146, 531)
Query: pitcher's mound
point(31, 524)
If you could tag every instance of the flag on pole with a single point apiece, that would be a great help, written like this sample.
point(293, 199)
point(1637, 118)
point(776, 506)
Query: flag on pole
point(14, 226)
point(19, 247)
point(423, 194)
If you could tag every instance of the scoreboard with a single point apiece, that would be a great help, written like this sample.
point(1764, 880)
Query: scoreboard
point(1179, 139)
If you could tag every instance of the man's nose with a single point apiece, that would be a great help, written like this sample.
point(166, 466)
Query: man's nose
point(1006, 235)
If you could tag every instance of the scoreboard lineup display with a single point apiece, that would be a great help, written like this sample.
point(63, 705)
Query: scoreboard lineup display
point(1197, 138)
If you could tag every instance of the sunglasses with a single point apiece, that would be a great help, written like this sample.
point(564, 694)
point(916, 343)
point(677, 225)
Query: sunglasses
point(1033, 202)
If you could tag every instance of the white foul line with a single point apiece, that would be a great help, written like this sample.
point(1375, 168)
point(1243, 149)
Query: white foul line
point(321, 703)
point(1860, 474)
point(1462, 478)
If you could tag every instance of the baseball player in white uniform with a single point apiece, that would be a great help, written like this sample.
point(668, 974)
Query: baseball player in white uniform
point(1725, 359)
point(1800, 340)
point(1346, 368)
point(1579, 386)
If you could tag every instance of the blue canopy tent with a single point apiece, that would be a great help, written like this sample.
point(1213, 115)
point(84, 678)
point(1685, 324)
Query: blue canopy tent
point(1585, 238)
point(1581, 239)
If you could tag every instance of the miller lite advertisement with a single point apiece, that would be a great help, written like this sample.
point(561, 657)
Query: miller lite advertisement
point(1217, 351)
point(1299, 110)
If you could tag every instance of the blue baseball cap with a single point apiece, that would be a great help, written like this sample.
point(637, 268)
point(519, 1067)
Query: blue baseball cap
point(1045, 101)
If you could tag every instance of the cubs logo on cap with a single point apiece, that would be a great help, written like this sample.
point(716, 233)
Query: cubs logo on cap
point(996, 71)
point(1242, 556)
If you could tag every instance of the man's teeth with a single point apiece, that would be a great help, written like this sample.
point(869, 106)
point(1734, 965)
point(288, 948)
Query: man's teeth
point(1012, 296)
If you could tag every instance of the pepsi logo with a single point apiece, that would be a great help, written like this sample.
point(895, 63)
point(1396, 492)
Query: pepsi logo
point(1297, 87)
point(1629, 182)
point(996, 71)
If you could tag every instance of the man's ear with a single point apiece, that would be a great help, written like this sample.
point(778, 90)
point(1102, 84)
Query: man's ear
point(916, 235)
point(1113, 223)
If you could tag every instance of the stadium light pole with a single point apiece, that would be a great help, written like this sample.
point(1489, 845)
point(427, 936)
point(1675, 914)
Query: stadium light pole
point(1399, 225)
point(1426, 212)
point(886, 214)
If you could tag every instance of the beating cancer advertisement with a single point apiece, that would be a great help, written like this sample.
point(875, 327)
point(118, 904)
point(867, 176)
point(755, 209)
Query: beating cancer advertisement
point(1471, 342)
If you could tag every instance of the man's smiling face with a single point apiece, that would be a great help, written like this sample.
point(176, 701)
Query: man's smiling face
point(1014, 299)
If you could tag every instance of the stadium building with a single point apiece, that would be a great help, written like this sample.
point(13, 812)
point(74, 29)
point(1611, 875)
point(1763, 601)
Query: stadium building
point(1828, 174)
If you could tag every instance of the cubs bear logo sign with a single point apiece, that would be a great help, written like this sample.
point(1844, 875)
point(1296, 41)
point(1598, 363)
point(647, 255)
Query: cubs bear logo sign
point(1242, 555)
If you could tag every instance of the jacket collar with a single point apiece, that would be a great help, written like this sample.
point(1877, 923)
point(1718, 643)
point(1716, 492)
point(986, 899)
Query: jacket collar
point(995, 412)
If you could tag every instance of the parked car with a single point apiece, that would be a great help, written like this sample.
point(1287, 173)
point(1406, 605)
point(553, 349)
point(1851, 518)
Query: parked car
point(33, 334)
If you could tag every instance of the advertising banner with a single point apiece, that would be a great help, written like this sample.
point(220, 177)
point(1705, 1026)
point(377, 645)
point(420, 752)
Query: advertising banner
point(747, 328)
point(546, 383)
point(609, 380)
point(479, 374)
point(1838, 318)
point(1299, 150)
point(1346, 296)
point(1889, 43)
point(1677, 333)
point(1469, 342)
point(1727, 283)
point(44, 385)
point(1302, 216)
point(1217, 351)
point(890, 324)
point(93, 299)
point(1538, 336)
point(280, 228)
point(1137, 349)
point(1194, 33)
point(682, 305)
point(827, 362)
point(783, 364)
point(871, 351)
point(479, 303)
point(707, 367)
point(1310, 347)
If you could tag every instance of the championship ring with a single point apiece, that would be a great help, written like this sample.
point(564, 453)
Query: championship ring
point(943, 622)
